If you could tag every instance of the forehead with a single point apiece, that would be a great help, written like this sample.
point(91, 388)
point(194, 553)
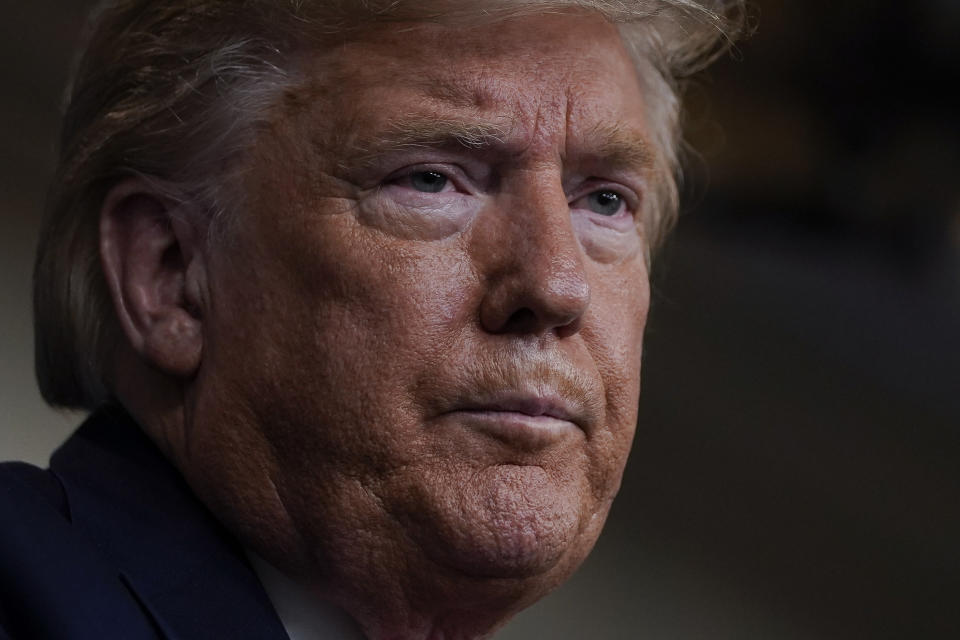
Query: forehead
point(555, 74)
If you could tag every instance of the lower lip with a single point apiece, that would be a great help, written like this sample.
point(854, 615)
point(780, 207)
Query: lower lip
point(518, 429)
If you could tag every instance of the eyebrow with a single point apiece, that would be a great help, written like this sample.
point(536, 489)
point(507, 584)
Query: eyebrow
point(417, 132)
point(622, 147)
point(611, 143)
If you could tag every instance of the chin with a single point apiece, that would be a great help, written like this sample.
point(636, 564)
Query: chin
point(509, 522)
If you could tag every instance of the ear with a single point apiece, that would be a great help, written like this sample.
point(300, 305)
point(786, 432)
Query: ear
point(154, 269)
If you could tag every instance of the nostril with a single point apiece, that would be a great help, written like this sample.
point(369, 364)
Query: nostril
point(522, 320)
point(534, 319)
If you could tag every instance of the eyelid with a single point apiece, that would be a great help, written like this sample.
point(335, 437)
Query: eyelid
point(457, 176)
point(632, 199)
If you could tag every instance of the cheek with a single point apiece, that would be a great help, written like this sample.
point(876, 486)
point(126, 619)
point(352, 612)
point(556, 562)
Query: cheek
point(321, 345)
point(620, 301)
point(614, 336)
point(351, 319)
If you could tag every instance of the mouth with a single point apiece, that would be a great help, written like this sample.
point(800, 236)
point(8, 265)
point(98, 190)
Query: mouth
point(527, 421)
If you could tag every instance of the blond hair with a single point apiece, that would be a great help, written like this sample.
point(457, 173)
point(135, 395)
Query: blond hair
point(173, 91)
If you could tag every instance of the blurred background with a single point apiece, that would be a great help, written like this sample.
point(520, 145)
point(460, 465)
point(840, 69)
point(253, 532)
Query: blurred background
point(796, 471)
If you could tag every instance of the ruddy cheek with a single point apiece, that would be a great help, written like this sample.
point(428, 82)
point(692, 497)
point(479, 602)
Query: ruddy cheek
point(607, 244)
point(431, 219)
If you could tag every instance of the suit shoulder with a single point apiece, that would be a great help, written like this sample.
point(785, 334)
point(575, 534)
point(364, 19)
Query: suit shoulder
point(55, 583)
point(29, 482)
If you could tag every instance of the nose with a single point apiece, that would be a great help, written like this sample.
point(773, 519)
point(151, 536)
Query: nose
point(533, 266)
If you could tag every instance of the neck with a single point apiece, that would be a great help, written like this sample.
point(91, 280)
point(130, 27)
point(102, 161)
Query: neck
point(432, 605)
point(390, 603)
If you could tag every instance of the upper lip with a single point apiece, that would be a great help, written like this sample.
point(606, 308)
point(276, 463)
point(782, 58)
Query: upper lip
point(532, 384)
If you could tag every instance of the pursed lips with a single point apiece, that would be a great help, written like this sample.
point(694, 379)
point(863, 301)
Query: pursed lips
point(528, 420)
point(551, 406)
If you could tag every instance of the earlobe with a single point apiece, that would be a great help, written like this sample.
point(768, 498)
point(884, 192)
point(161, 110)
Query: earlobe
point(150, 254)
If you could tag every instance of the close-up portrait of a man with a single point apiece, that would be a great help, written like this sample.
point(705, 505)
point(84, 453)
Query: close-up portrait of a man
point(354, 296)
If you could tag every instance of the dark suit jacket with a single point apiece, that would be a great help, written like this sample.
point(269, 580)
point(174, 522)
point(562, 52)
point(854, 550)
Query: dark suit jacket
point(111, 543)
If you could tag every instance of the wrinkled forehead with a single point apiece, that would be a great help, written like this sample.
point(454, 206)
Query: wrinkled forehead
point(562, 71)
point(522, 39)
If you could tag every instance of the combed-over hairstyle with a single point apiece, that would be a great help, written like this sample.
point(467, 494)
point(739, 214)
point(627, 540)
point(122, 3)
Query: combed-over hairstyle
point(173, 91)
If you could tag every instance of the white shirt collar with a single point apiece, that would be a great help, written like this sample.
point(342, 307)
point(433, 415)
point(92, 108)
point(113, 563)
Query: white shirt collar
point(304, 616)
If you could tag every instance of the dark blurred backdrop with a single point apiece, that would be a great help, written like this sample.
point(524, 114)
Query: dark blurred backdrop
point(796, 472)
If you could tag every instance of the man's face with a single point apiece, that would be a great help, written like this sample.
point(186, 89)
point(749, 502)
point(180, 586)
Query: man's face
point(422, 344)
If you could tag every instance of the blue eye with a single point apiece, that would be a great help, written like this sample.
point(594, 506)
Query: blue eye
point(606, 203)
point(428, 181)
